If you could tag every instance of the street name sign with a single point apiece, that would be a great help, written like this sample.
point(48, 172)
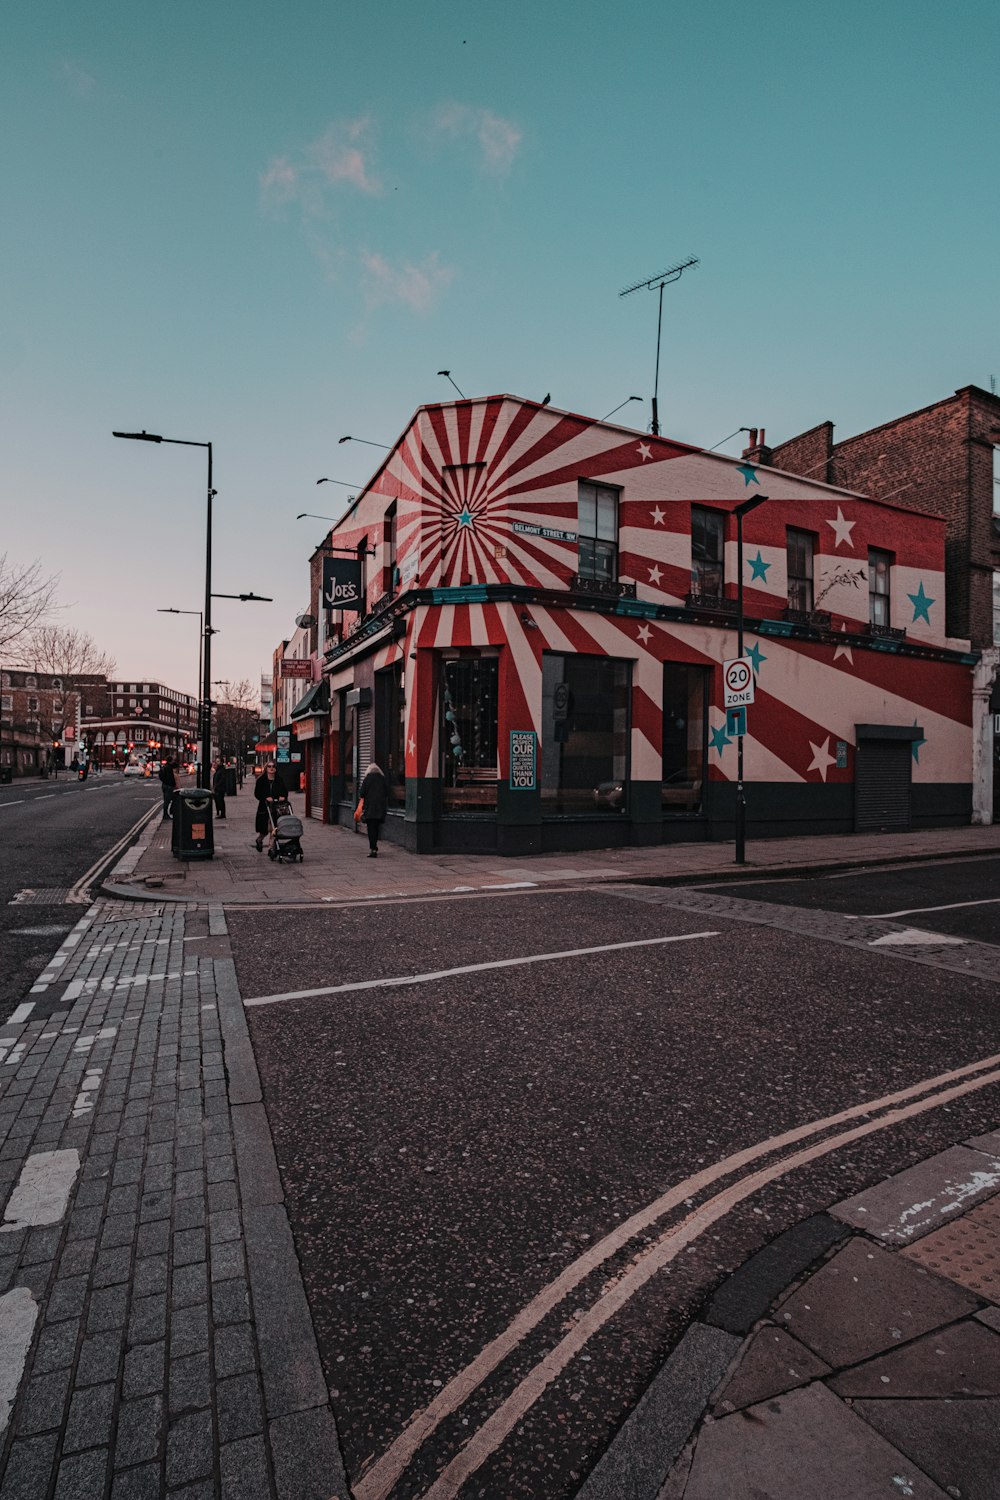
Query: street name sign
point(737, 683)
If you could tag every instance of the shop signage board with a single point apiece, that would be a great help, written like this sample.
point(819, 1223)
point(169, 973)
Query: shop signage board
point(523, 760)
point(283, 739)
point(342, 583)
point(737, 683)
point(292, 668)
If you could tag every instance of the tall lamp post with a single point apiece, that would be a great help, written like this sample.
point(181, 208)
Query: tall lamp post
point(206, 671)
point(741, 807)
point(201, 637)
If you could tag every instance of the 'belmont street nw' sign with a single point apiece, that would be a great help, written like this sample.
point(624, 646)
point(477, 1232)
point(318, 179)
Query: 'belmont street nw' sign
point(342, 583)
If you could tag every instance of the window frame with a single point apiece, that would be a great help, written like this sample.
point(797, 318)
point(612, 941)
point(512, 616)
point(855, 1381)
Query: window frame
point(601, 546)
point(806, 601)
point(701, 566)
point(876, 556)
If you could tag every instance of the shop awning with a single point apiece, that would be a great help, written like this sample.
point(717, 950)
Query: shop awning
point(315, 700)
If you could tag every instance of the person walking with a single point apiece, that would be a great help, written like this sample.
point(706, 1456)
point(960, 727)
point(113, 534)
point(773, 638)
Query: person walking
point(270, 788)
point(168, 783)
point(219, 789)
point(374, 799)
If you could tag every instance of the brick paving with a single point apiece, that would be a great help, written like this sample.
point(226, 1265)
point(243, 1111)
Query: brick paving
point(172, 1350)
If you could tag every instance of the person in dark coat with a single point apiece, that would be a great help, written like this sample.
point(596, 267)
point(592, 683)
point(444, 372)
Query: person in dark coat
point(168, 783)
point(270, 788)
point(219, 789)
point(375, 799)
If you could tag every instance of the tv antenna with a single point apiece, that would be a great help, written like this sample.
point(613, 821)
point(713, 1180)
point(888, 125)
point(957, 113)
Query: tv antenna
point(653, 284)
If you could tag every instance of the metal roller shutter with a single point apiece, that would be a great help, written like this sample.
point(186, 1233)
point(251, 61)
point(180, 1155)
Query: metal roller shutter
point(316, 778)
point(882, 786)
point(364, 740)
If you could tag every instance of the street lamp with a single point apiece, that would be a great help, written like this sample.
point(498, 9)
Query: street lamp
point(447, 376)
point(201, 636)
point(741, 510)
point(344, 483)
point(367, 441)
point(620, 405)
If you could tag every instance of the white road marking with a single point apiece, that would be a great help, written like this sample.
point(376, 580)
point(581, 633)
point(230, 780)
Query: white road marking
point(15, 803)
point(384, 1474)
point(20, 1013)
point(45, 796)
point(645, 1265)
point(42, 1191)
point(18, 1315)
point(914, 937)
point(915, 911)
point(497, 963)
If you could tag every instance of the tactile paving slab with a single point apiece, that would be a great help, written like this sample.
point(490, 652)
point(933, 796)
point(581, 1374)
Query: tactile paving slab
point(967, 1252)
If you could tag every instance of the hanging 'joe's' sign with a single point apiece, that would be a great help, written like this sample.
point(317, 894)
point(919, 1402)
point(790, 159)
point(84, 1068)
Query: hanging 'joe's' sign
point(342, 583)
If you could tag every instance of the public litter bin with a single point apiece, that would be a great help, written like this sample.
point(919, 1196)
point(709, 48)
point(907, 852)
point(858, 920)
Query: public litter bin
point(6, 775)
point(231, 781)
point(192, 836)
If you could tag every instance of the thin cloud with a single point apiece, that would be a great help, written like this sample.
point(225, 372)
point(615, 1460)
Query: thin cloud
point(342, 154)
point(76, 77)
point(417, 287)
point(499, 140)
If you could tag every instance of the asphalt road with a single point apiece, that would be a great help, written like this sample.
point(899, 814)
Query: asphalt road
point(450, 1147)
point(960, 897)
point(51, 833)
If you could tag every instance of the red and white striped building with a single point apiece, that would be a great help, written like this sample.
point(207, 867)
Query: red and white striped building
point(548, 604)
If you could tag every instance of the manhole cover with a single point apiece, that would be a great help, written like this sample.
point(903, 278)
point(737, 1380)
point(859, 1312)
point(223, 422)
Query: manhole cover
point(56, 895)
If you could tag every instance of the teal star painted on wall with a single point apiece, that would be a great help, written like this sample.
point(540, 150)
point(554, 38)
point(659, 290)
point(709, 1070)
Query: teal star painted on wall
point(465, 518)
point(921, 604)
point(916, 744)
point(749, 473)
point(758, 567)
point(720, 739)
point(756, 655)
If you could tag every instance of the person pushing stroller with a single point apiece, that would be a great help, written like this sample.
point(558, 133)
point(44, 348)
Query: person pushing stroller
point(270, 789)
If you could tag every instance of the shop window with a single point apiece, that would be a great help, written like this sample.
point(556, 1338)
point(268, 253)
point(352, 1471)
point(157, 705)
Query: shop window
point(469, 732)
point(708, 541)
point(597, 530)
point(585, 734)
point(389, 575)
point(801, 546)
point(685, 720)
point(879, 571)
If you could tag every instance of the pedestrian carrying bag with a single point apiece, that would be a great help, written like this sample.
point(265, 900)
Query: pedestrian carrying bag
point(359, 810)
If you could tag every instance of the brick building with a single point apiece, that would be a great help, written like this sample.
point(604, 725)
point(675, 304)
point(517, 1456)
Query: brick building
point(942, 459)
point(133, 715)
point(41, 714)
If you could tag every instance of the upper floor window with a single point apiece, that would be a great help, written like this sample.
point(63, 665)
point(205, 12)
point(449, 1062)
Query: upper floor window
point(708, 542)
point(32, 705)
point(597, 530)
point(57, 683)
point(801, 547)
point(29, 681)
point(390, 548)
point(879, 566)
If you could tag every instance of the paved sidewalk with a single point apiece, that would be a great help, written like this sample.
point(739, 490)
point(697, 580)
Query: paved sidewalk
point(154, 1334)
point(337, 867)
point(856, 1355)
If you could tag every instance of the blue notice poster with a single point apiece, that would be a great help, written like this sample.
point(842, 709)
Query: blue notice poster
point(523, 756)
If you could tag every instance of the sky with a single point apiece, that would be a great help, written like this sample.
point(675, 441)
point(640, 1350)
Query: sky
point(267, 226)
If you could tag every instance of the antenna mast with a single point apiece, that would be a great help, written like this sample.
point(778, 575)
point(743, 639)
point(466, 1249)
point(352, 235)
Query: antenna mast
point(653, 284)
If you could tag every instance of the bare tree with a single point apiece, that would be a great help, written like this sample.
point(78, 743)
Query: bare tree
point(236, 721)
point(26, 596)
point(67, 653)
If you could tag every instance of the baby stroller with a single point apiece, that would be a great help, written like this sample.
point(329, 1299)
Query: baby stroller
point(286, 834)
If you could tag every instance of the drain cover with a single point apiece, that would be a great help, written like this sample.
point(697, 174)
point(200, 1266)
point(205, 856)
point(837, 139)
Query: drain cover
point(56, 895)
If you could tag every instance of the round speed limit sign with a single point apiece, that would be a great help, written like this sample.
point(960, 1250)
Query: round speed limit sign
point(737, 678)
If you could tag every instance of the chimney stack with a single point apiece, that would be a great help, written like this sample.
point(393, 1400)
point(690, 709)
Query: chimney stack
point(757, 451)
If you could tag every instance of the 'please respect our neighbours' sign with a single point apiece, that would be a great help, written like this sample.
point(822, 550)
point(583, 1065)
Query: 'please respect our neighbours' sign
point(523, 750)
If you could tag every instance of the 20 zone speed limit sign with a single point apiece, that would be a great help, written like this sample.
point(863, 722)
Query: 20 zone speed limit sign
point(737, 681)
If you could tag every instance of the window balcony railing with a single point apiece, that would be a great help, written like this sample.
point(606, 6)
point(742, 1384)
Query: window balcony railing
point(820, 618)
point(608, 588)
point(886, 632)
point(715, 604)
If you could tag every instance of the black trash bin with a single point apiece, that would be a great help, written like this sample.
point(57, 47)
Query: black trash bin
point(6, 775)
point(231, 781)
point(192, 836)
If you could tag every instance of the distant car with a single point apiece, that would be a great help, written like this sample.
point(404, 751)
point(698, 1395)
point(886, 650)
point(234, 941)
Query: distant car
point(134, 770)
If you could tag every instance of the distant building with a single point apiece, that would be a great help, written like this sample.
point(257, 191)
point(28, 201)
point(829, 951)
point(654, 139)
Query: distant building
point(41, 715)
point(141, 718)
